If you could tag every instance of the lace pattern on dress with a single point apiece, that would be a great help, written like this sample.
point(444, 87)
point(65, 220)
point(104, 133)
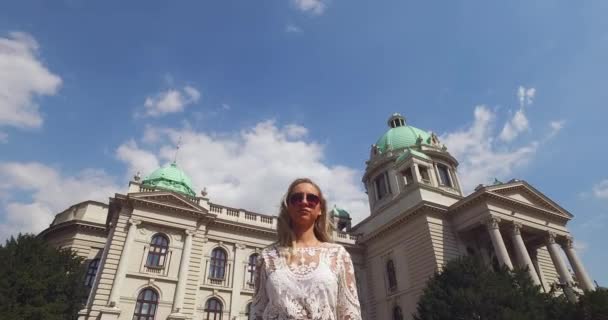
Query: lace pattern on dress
point(315, 283)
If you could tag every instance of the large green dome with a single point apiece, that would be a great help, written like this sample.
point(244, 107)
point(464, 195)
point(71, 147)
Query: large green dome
point(170, 177)
point(400, 135)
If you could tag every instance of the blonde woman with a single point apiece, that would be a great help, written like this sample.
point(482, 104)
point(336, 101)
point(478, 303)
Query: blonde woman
point(304, 275)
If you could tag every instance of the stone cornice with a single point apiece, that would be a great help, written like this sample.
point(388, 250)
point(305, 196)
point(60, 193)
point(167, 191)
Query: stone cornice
point(80, 224)
point(236, 226)
point(411, 213)
point(482, 195)
point(136, 202)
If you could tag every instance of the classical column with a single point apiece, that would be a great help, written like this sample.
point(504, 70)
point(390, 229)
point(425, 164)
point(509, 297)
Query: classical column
point(581, 274)
point(560, 265)
point(178, 303)
point(497, 242)
point(523, 257)
point(122, 264)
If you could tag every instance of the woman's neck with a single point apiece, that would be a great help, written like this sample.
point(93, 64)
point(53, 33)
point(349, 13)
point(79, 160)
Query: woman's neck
point(306, 238)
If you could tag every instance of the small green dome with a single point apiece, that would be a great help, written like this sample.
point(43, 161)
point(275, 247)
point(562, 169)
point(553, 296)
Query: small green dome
point(170, 177)
point(338, 212)
point(400, 135)
point(413, 153)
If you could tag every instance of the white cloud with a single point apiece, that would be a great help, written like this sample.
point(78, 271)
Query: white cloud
point(51, 192)
point(481, 156)
point(3, 137)
point(316, 7)
point(519, 122)
point(171, 101)
point(295, 131)
point(290, 28)
point(556, 127)
point(226, 106)
point(138, 160)
point(600, 190)
point(252, 168)
point(23, 78)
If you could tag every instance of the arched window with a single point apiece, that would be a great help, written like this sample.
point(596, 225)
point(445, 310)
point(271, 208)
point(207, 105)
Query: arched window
point(213, 309)
point(91, 272)
point(218, 263)
point(397, 314)
point(147, 303)
point(248, 310)
point(392, 277)
point(158, 251)
point(253, 260)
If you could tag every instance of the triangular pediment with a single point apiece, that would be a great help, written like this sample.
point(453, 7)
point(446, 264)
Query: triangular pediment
point(166, 198)
point(521, 191)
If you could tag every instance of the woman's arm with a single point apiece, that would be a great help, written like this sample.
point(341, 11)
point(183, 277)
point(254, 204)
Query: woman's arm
point(348, 300)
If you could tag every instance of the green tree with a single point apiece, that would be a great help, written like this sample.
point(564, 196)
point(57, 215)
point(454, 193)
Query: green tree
point(38, 281)
point(593, 305)
point(469, 289)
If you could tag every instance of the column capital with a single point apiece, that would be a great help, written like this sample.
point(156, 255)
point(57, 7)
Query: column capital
point(516, 228)
point(551, 237)
point(568, 242)
point(492, 222)
point(189, 232)
point(240, 246)
point(135, 222)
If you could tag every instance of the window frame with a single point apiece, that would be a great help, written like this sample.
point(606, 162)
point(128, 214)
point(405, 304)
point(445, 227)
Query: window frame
point(391, 275)
point(397, 313)
point(157, 252)
point(214, 312)
point(217, 264)
point(424, 168)
point(408, 178)
point(448, 174)
point(92, 269)
point(387, 187)
point(152, 305)
point(251, 266)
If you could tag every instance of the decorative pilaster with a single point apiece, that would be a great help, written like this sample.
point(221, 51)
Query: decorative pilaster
point(502, 254)
point(238, 276)
point(523, 257)
point(178, 303)
point(122, 264)
point(581, 274)
point(560, 265)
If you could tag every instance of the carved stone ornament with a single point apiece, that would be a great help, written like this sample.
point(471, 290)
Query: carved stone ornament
point(569, 243)
point(134, 222)
point(517, 228)
point(551, 237)
point(493, 222)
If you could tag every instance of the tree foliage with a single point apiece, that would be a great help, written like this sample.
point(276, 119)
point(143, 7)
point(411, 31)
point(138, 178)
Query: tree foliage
point(38, 281)
point(469, 289)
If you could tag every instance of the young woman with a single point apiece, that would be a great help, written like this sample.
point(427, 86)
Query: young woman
point(304, 275)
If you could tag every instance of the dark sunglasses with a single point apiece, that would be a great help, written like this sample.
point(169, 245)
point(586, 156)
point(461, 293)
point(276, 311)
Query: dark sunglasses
point(312, 200)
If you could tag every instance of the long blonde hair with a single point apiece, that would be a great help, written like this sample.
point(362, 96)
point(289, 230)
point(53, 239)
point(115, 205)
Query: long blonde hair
point(323, 226)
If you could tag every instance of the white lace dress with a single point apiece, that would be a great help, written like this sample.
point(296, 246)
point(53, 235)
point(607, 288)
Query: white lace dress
point(315, 283)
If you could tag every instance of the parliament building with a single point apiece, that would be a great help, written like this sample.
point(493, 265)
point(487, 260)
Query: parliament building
point(160, 251)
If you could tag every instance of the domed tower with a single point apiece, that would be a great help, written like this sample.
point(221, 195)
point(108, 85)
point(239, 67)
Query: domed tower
point(407, 166)
point(170, 178)
point(341, 218)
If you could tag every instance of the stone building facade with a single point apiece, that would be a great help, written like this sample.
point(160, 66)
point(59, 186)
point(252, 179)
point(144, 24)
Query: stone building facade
point(159, 251)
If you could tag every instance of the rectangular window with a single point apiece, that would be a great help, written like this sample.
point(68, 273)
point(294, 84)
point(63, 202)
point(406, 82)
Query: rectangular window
point(444, 175)
point(424, 174)
point(407, 174)
point(382, 186)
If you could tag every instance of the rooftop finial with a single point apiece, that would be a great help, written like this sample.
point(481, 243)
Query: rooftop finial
point(179, 143)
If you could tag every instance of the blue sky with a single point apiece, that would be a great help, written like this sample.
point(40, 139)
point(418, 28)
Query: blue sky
point(260, 91)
